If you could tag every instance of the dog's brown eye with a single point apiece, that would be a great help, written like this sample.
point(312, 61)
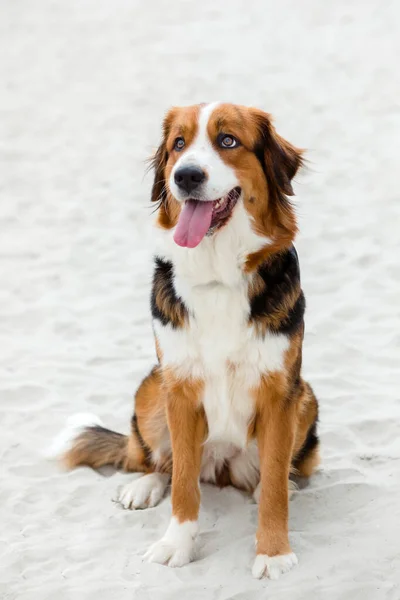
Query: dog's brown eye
point(179, 144)
point(227, 141)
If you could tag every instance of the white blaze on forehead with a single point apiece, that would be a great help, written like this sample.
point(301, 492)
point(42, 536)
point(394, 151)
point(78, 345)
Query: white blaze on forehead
point(201, 153)
point(202, 141)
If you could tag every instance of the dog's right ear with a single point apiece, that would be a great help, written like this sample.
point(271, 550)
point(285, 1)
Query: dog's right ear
point(159, 162)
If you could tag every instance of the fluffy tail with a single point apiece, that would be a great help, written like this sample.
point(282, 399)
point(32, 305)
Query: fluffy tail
point(86, 442)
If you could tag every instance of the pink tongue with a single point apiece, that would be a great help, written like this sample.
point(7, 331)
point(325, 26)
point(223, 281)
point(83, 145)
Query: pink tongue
point(193, 224)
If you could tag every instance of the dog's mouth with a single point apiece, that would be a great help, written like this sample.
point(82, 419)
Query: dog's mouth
point(201, 217)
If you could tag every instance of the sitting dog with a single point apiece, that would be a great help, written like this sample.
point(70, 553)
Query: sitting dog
point(226, 402)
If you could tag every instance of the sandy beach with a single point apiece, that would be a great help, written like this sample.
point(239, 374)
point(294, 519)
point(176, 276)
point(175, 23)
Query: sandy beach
point(84, 85)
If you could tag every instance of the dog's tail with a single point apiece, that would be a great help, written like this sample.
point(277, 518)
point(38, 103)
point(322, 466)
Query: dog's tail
point(86, 442)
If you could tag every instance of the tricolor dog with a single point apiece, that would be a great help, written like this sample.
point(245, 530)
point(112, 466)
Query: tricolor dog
point(226, 402)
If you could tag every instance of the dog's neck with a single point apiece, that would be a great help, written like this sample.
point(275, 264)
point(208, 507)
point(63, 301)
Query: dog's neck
point(219, 258)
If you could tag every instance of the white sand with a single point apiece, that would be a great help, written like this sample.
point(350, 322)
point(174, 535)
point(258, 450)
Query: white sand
point(84, 85)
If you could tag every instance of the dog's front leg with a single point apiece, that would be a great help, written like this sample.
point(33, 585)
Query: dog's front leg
point(275, 428)
point(187, 430)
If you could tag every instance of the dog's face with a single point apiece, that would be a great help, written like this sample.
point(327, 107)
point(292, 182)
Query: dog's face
point(213, 157)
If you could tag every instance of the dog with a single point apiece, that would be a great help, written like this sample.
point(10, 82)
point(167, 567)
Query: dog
point(226, 402)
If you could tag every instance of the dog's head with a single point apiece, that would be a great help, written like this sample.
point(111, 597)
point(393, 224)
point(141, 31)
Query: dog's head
point(213, 157)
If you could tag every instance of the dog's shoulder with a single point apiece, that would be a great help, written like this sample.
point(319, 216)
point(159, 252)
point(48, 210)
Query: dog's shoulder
point(277, 302)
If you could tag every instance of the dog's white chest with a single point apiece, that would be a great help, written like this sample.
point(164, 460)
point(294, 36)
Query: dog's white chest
point(220, 348)
point(223, 342)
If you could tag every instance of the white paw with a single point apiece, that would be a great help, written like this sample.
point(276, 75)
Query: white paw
point(273, 566)
point(169, 553)
point(144, 492)
point(176, 548)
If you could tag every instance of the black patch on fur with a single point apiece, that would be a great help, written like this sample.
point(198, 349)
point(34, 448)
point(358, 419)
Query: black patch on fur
point(273, 179)
point(294, 319)
point(297, 382)
point(311, 442)
point(279, 160)
point(163, 286)
point(259, 152)
point(146, 449)
point(281, 276)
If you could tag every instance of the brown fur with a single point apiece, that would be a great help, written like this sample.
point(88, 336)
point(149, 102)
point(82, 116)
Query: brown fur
point(169, 408)
point(286, 409)
point(96, 447)
point(265, 187)
point(275, 429)
point(187, 425)
point(178, 122)
point(307, 416)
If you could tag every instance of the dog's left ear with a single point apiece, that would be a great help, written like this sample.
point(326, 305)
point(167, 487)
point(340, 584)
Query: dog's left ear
point(280, 159)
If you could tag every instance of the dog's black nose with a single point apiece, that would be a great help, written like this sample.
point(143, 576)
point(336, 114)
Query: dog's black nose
point(189, 178)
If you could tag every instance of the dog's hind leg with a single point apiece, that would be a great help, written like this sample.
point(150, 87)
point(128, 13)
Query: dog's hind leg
point(306, 449)
point(85, 442)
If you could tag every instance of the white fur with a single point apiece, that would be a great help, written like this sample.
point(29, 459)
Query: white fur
point(74, 426)
point(177, 546)
point(218, 346)
point(144, 492)
point(245, 467)
point(273, 566)
point(215, 455)
point(244, 464)
point(201, 153)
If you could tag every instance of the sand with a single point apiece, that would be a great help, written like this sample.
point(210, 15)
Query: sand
point(84, 84)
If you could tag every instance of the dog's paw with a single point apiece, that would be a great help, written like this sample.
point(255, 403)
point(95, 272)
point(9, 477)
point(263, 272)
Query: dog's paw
point(273, 566)
point(177, 546)
point(169, 553)
point(144, 492)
